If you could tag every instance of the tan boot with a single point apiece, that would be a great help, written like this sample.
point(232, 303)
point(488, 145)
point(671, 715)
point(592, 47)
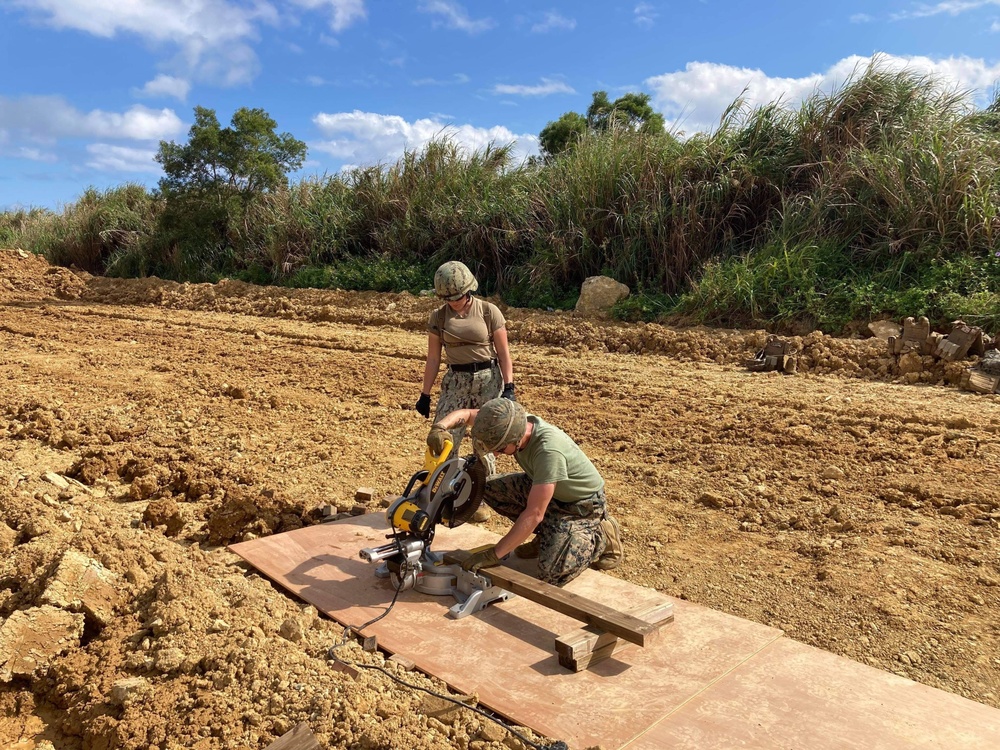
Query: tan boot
point(528, 550)
point(483, 513)
point(614, 550)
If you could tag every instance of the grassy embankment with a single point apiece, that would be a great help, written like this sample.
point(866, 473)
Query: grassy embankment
point(879, 199)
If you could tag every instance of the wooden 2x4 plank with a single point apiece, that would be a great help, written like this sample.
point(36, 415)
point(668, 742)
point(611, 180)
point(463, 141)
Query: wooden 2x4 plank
point(624, 626)
point(590, 638)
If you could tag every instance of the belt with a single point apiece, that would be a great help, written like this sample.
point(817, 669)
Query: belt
point(473, 366)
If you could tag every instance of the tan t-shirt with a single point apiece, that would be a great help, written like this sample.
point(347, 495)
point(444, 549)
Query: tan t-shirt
point(469, 338)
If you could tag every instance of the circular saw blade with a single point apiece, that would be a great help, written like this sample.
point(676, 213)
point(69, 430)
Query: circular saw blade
point(471, 495)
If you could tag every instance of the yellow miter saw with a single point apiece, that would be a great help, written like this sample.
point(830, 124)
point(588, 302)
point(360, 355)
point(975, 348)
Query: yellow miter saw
point(446, 491)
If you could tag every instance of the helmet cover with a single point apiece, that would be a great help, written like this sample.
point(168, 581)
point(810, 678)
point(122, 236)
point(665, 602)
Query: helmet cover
point(453, 280)
point(499, 423)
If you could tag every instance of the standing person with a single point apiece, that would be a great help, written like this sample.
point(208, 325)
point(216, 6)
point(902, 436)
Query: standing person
point(473, 336)
point(559, 495)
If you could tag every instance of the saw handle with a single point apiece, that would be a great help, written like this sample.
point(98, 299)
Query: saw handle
point(431, 462)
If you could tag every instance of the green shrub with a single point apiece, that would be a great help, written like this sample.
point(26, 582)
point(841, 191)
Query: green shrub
point(384, 274)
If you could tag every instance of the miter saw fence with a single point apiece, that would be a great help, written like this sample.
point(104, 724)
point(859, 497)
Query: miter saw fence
point(446, 491)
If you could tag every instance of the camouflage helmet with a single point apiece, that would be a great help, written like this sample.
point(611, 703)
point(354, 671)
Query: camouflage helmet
point(499, 423)
point(453, 280)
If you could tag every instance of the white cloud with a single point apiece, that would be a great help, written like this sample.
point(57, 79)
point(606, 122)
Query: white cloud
point(163, 86)
point(343, 12)
point(456, 79)
point(211, 36)
point(949, 7)
point(695, 98)
point(545, 88)
point(109, 158)
point(861, 18)
point(644, 14)
point(34, 154)
point(455, 16)
point(554, 21)
point(367, 138)
point(47, 118)
point(208, 40)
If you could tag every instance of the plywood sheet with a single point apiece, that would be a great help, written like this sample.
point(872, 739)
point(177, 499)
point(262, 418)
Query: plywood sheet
point(506, 653)
point(710, 680)
point(795, 696)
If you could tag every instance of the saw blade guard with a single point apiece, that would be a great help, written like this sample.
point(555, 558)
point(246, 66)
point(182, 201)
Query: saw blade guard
point(470, 496)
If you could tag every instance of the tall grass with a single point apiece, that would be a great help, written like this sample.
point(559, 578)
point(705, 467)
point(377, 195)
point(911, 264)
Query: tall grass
point(95, 231)
point(879, 198)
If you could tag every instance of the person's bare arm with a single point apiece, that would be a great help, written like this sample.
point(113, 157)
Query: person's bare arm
point(456, 418)
point(503, 355)
point(538, 501)
point(433, 363)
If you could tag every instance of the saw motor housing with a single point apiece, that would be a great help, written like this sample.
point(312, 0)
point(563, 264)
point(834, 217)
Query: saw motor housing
point(448, 491)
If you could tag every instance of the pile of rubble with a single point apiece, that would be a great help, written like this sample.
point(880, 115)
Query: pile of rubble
point(918, 340)
point(913, 348)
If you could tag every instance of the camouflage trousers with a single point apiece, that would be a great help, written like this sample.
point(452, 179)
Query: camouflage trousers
point(468, 390)
point(569, 536)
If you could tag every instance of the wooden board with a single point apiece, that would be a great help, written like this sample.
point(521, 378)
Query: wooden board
point(603, 617)
point(590, 645)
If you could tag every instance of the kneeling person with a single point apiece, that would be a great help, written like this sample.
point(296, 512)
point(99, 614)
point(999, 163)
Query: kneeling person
point(559, 495)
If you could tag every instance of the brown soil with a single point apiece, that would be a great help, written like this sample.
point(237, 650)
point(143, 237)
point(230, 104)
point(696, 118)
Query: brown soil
point(851, 505)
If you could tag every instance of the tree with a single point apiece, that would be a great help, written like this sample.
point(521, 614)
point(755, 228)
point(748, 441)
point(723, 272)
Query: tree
point(560, 134)
point(631, 111)
point(211, 184)
point(246, 159)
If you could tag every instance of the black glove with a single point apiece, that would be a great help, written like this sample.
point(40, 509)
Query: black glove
point(508, 392)
point(485, 558)
point(436, 439)
point(423, 406)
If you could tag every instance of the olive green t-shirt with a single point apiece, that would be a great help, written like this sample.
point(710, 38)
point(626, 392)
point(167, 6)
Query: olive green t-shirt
point(467, 339)
point(551, 456)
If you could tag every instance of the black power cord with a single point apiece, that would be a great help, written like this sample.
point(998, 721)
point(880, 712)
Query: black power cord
point(345, 636)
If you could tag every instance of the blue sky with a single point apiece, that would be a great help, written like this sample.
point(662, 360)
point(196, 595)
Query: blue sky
point(90, 87)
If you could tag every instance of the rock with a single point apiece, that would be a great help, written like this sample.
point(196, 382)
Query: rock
point(402, 661)
point(56, 479)
point(883, 329)
point(83, 584)
point(291, 630)
point(833, 472)
point(910, 363)
point(127, 690)
point(598, 294)
point(364, 495)
point(492, 732)
point(712, 500)
point(168, 660)
point(30, 639)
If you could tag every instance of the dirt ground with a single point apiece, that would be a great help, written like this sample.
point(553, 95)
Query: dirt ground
point(145, 424)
